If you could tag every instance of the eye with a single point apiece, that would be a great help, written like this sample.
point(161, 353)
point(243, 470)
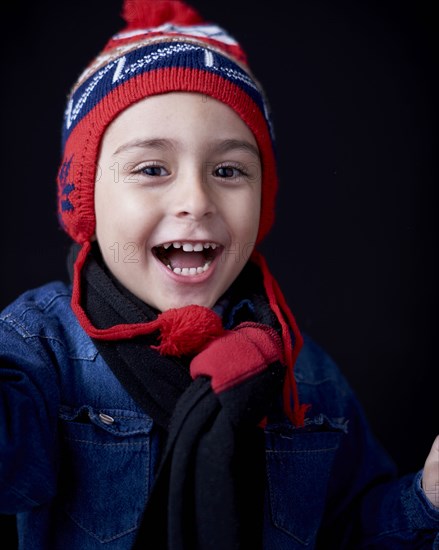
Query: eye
point(152, 170)
point(229, 171)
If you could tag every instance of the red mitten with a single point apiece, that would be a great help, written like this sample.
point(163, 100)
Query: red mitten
point(237, 355)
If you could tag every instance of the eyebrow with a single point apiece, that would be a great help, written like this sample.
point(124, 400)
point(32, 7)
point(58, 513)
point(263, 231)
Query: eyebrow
point(226, 145)
point(220, 146)
point(154, 143)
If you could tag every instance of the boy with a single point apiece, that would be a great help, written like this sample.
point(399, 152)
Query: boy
point(138, 403)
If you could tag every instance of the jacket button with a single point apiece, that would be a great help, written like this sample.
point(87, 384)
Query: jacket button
point(106, 419)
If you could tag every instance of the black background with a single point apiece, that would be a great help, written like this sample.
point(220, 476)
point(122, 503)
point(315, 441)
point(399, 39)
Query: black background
point(353, 88)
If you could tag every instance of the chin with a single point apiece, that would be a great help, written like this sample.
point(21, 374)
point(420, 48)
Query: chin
point(186, 301)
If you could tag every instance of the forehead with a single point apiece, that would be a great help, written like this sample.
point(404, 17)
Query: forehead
point(182, 114)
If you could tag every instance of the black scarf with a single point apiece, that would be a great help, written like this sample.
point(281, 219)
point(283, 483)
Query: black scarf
point(209, 490)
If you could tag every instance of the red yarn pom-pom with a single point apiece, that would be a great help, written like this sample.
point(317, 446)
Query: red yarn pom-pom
point(185, 331)
point(152, 13)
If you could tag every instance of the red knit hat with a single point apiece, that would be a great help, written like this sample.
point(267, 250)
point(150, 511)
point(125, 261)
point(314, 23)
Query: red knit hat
point(165, 46)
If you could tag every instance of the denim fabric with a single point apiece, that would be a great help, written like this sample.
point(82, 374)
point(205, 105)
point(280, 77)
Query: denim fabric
point(78, 456)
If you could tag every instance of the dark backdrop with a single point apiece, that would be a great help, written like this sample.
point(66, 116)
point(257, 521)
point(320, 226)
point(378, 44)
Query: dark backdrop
point(353, 88)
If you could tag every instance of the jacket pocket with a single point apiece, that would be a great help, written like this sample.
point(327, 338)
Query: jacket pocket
point(105, 469)
point(299, 463)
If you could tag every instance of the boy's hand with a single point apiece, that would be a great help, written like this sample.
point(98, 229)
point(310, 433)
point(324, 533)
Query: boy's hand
point(430, 477)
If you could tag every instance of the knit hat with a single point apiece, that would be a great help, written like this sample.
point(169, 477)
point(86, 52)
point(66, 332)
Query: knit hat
point(165, 47)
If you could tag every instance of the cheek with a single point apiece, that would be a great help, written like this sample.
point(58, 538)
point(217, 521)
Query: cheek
point(244, 215)
point(124, 216)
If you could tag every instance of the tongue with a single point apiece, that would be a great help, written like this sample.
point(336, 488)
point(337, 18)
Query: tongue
point(179, 258)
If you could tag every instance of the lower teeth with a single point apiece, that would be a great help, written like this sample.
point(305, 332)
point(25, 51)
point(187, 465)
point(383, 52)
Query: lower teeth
point(189, 270)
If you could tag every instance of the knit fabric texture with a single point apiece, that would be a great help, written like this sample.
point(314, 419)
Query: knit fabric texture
point(164, 47)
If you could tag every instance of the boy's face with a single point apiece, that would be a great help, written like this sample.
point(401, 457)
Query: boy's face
point(177, 199)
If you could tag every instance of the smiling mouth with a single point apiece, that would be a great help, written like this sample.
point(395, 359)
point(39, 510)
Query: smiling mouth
point(187, 258)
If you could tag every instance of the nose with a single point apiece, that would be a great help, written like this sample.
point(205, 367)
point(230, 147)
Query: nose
point(195, 199)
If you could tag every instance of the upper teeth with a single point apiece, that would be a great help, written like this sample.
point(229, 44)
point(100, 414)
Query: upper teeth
point(190, 247)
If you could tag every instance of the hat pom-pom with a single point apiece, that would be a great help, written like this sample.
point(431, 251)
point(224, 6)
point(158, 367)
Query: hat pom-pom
point(186, 330)
point(152, 13)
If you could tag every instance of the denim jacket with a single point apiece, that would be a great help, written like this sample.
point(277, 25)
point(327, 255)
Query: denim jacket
point(78, 456)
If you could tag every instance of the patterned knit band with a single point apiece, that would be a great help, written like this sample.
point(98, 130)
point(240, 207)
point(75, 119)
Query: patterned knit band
point(178, 54)
point(167, 47)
